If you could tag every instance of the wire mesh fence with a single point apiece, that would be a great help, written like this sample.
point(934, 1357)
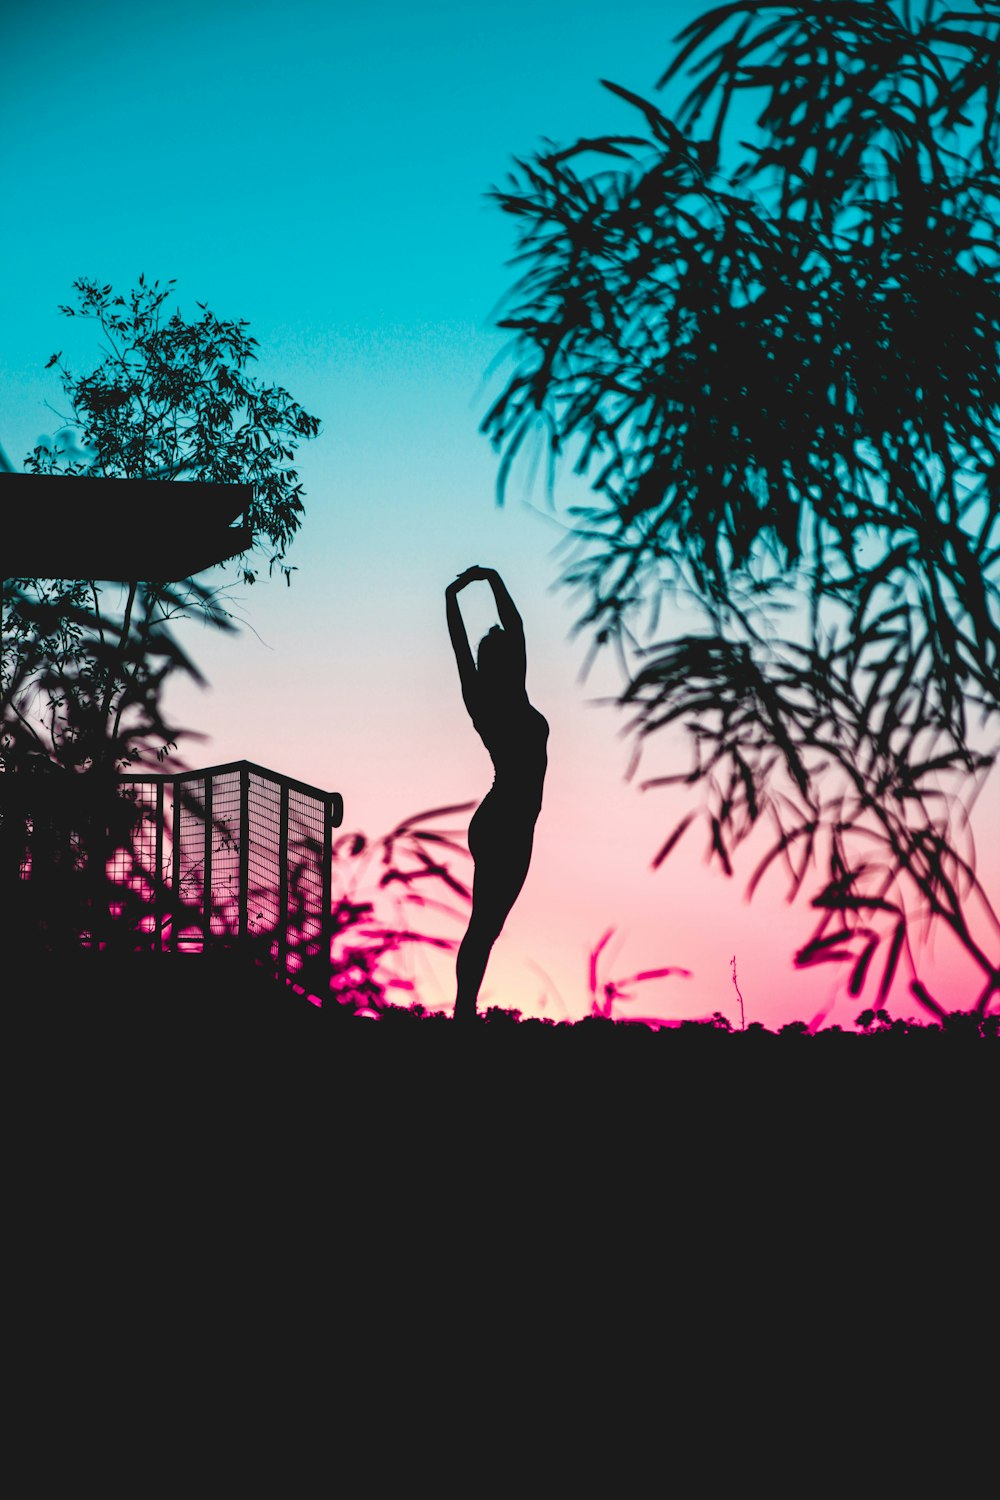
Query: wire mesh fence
point(228, 855)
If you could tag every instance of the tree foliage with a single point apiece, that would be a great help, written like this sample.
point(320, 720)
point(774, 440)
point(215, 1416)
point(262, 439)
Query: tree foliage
point(84, 685)
point(776, 361)
point(175, 398)
point(170, 399)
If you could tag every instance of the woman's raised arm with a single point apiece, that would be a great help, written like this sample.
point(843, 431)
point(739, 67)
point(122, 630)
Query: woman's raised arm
point(506, 608)
point(460, 640)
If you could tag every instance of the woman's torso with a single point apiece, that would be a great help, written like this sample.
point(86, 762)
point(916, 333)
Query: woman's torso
point(516, 739)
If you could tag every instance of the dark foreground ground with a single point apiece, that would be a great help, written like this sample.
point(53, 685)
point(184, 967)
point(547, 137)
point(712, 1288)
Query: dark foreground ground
point(218, 1027)
point(175, 998)
point(196, 1087)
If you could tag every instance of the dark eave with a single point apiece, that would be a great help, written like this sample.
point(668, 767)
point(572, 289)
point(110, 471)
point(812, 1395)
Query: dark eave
point(154, 530)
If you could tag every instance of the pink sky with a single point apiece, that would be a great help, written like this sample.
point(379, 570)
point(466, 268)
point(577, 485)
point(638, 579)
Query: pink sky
point(395, 739)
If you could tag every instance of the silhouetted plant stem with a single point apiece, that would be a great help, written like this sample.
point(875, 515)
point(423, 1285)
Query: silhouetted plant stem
point(743, 1019)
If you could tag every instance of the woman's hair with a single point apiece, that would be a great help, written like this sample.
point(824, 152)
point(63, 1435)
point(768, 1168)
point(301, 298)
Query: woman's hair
point(495, 655)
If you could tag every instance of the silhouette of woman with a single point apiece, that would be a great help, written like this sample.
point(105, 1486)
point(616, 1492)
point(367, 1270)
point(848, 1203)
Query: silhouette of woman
point(515, 734)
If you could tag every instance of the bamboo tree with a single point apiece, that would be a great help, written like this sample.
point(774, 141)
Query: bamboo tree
point(775, 359)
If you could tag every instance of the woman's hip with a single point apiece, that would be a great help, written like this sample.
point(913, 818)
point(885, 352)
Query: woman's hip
point(498, 824)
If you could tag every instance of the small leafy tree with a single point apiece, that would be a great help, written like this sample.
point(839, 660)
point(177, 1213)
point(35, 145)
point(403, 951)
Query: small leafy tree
point(776, 360)
point(170, 399)
point(173, 398)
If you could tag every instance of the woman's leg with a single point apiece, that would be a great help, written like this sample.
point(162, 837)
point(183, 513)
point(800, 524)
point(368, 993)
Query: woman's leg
point(502, 860)
point(470, 966)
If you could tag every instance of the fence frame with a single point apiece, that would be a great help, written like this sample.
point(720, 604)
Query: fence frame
point(168, 899)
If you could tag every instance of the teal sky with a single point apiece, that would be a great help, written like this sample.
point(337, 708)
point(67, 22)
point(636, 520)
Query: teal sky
point(320, 169)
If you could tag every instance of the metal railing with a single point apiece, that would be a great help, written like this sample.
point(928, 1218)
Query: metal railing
point(226, 855)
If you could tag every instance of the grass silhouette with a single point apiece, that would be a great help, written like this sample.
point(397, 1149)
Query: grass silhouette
point(228, 991)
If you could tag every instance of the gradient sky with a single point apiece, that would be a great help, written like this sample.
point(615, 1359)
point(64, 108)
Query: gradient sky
point(320, 170)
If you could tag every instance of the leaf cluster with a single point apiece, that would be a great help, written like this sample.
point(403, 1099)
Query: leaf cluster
point(83, 687)
point(170, 399)
point(388, 887)
point(874, 806)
